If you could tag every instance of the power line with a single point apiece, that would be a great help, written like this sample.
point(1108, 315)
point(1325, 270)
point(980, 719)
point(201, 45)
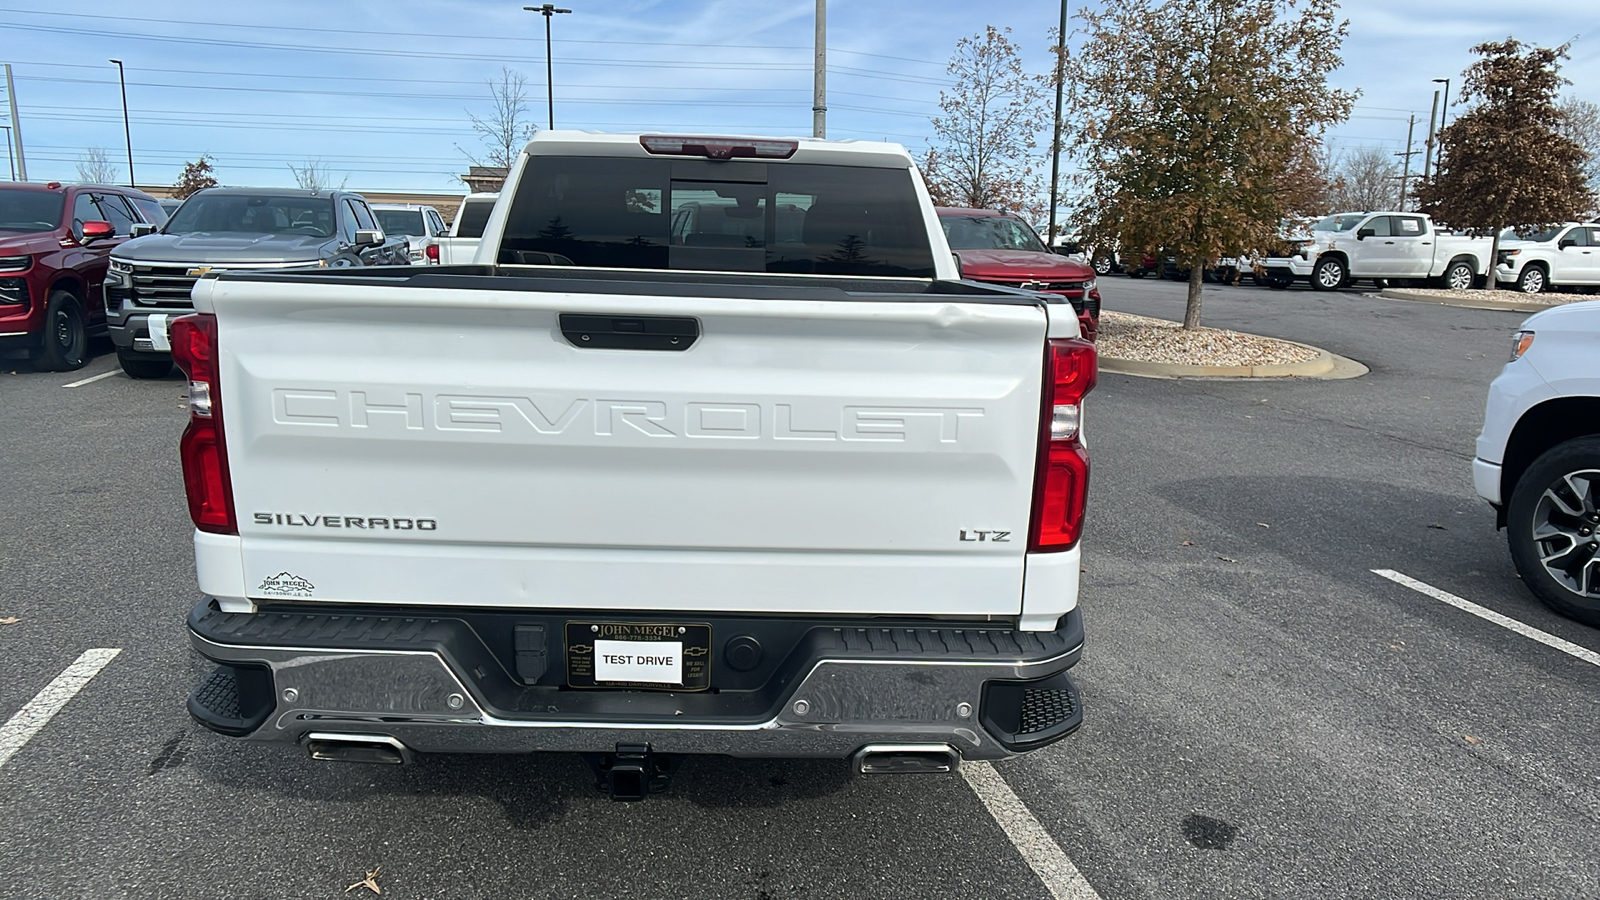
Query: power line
point(476, 38)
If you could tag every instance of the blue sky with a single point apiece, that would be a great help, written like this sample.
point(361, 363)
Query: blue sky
point(380, 92)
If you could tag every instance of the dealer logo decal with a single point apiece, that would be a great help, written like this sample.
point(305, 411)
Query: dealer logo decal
point(286, 584)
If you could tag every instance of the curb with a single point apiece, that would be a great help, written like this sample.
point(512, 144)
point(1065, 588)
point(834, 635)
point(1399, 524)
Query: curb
point(1325, 366)
point(1467, 302)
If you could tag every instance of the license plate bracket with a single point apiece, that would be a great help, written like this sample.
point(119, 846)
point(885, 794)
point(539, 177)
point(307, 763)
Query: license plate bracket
point(638, 655)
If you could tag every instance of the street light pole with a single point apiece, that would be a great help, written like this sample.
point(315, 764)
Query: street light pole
point(1055, 137)
point(548, 10)
point(819, 74)
point(127, 133)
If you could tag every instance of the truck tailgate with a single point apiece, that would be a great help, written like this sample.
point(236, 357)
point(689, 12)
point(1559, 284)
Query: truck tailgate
point(453, 447)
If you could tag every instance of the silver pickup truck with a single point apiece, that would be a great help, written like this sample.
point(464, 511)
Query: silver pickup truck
point(776, 484)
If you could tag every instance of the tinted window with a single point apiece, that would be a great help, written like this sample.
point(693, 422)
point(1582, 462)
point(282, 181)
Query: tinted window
point(24, 210)
point(688, 214)
point(208, 212)
point(436, 224)
point(150, 209)
point(115, 210)
point(84, 210)
point(473, 215)
point(989, 233)
point(1338, 223)
point(1407, 226)
point(363, 216)
point(408, 222)
point(1379, 226)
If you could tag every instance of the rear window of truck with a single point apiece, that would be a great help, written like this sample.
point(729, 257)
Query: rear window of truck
point(791, 218)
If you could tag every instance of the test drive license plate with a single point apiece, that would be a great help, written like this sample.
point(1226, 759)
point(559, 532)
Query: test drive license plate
point(646, 655)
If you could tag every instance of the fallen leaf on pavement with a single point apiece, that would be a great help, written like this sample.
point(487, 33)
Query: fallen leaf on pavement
point(1227, 559)
point(1436, 525)
point(1186, 543)
point(1263, 525)
point(1471, 740)
point(370, 882)
point(10, 620)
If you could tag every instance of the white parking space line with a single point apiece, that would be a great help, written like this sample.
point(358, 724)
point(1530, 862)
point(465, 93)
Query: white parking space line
point(1042, 853)
point(1489, 615)
point(92, 379)
point(20, 728)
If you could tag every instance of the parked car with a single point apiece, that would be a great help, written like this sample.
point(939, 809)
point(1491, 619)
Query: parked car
point(1539, 260)
point(219, 229)
point(461, 245)
point(55, 241)
point(1383, 246)
point(421, 226)
point(169, 205)
point(804, 495)
point(1538, 457)
point(1002, 248)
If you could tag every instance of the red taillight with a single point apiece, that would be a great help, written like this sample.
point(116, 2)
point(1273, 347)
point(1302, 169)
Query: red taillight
point(204, 454)
point(432, 252)
point(1061, 480)
point(718, 147)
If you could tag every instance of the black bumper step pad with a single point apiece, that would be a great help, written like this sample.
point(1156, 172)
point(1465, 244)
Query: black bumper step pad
point(233, 700)
point(1024, 715)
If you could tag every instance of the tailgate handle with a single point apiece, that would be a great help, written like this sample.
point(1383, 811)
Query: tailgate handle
point(619, 332)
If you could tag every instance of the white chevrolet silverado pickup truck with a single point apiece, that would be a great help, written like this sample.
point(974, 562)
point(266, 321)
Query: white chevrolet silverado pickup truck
point(778, 485)
point(1385, 246)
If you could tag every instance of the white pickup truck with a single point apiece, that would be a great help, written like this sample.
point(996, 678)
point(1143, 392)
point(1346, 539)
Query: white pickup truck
point(460, 245)
point(1546, 258)
point(785, 487)
point(1381, 246)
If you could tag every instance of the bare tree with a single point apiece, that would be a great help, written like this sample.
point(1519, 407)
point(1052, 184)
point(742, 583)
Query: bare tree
point(507, 126)
point(1580, 120)
point(95, 167)
point(314, 175)
point(983, 156)
point(1364, 180)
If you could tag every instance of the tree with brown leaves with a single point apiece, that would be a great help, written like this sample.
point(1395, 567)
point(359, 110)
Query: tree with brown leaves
point(1506, 163)
point(1197, 123)
point(983, 156)
point(195, 176)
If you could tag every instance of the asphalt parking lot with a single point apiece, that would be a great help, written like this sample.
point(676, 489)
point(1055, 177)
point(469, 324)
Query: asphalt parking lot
point(1266, 717)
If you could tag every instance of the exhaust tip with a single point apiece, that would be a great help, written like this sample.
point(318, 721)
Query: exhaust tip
point(358, 748)
point(906, 759)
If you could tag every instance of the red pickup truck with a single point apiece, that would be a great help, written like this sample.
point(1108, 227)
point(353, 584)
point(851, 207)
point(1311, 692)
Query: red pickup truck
point(1000, 248)
point(55, 240)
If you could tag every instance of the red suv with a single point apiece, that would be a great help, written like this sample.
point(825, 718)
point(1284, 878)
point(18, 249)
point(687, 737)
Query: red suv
point(1000, 248)
point(54, 243)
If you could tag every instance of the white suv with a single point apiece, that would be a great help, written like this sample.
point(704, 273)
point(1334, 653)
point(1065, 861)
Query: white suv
point(1539, 260)
point(1538, 459)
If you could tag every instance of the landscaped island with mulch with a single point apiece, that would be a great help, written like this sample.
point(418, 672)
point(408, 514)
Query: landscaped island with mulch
point(1142, 339)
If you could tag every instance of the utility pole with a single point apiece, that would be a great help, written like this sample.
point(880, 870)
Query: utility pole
point(1405, 172)
point(16, 123)
point(10, 157)
point(127, 133)
point(1055, 138)
point(819, 90)
point(549, 11)
point(1427, 156)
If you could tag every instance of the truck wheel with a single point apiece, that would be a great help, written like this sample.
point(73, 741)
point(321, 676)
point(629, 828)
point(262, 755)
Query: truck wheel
point(1553, 527)
point(1532, 280)
point(1102, 265)
point(144, 368)
point(1329, 274)
point(64, 346)
point(1459, 276)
